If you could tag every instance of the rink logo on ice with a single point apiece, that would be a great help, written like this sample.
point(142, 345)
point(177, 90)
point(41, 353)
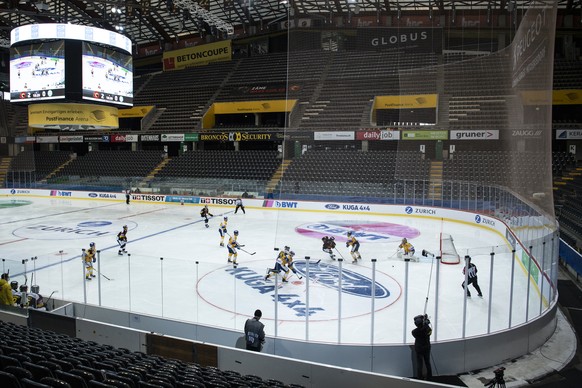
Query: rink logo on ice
point(484, 221)
point(252, 289)
point(353, 283)
point(364, 231)
point(73, 230)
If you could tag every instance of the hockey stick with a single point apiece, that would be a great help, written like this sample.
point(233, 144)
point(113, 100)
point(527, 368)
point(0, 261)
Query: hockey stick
point(247, 252)
point(102, 275)
point(339, 253)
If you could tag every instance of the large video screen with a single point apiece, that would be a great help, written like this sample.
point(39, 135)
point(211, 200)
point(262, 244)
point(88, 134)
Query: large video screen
point(107, 75)
point(37, 71)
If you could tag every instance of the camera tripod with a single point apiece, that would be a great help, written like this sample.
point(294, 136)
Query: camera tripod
point(498, 381)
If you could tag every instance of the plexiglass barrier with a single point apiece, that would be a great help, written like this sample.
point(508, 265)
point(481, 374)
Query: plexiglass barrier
point(516, 277)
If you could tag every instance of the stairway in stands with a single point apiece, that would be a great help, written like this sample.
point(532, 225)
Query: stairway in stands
point(156, 170)
point(4, 167)
point(277, 175)
point(436, 179)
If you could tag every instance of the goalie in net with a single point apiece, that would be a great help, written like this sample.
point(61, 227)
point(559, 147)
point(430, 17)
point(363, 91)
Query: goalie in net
point(448, 251)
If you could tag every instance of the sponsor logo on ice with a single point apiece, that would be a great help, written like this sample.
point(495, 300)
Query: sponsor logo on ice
point(252, 288)
point(93, 229)
point(364, 231)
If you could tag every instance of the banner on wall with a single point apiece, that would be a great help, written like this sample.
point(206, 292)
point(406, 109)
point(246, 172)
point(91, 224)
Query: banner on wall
point(475, 135)
point(568, 134)
point(406, 39)
point(198, 55)
point(134, 112)
point(338, 135)
point(425, 135)
point(72, 116)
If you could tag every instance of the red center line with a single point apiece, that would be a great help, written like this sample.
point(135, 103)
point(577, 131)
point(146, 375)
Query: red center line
point(10, 242)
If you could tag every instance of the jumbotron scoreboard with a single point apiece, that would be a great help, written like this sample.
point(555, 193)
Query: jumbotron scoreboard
point(70, 62)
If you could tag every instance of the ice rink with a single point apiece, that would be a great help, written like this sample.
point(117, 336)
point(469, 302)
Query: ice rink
point(177, 269)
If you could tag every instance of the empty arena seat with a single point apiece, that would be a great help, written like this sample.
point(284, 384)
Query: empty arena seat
point(8, 380)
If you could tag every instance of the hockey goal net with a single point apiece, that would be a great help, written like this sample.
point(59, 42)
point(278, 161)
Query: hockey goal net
point(449, 254)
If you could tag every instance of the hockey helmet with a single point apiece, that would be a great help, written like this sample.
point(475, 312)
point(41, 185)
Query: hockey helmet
point(291, 253)
point(124, 227)
point(349, 233)
point(92, 245)
point(236, 232)
point(226, 218)
point(332, 238)
point(404, 240)
point(287, 248)
point(205, 206)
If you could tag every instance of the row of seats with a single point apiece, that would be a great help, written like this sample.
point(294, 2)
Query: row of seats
point(35, 358)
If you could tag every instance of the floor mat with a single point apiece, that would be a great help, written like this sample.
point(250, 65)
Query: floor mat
point(569, 294)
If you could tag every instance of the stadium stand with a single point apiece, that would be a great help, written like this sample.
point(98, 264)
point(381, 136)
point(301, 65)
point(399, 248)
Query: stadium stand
point(103, 365)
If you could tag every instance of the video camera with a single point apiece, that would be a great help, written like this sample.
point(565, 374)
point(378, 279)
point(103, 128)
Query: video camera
point(421, 320)
point(498, 379)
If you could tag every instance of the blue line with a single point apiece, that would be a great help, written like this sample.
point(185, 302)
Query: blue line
point(116, 246)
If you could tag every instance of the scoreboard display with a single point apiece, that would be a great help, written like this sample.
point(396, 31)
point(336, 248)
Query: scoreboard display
point(107, 75)
point(70, 62)
point(37, 71)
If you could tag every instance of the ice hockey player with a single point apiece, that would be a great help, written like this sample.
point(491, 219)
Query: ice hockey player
point(222, 230)
point(204, 213)
point(288, 262)
point(122, 241)
point(406, 251)
point(355, 244)
point(328, 246)
point(232, 247)
point(279, 265)
point(89, 258)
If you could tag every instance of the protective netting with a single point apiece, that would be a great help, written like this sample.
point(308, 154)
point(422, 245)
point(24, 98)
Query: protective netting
point(393, 116)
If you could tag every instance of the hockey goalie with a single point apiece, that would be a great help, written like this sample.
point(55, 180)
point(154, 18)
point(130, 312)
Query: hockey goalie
point(406, 251)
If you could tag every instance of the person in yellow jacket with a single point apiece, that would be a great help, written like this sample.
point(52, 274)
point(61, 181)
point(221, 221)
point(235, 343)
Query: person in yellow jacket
point(6, 298)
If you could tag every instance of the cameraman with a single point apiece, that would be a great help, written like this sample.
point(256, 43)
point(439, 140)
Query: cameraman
point(422, 345)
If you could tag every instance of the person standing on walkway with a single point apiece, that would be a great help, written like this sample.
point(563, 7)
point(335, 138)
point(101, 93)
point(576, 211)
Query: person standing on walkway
point(255, 332)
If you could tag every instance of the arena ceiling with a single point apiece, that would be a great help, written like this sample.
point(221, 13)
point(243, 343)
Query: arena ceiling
point(147, 21)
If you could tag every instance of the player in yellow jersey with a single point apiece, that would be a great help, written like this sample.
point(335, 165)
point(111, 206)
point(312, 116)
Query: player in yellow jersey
point(232, 247)
point(222, 230)
point(406, 250)
point(288, 262)
point(355, 247)
point(279, 264)
point(89, 257)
